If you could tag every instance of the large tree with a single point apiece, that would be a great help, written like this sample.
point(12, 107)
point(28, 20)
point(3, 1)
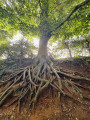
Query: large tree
point(46, 19)
point(43, 18)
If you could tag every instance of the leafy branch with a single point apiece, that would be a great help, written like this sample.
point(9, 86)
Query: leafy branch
point(74, 10)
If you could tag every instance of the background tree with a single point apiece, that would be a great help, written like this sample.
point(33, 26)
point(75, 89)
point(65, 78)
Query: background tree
point(16, 55)
point(21, 49)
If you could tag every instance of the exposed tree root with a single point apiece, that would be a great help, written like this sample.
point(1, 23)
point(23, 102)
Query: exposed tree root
point(33, 79)
point(74, 77)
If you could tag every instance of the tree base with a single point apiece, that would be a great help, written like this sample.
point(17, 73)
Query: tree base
point(30, 81)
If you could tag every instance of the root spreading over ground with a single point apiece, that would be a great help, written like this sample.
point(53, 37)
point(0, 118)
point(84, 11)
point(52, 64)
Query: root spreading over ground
point(29, 82)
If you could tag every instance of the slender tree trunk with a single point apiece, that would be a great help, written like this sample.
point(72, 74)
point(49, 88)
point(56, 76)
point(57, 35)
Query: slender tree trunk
point(82, 51)
point(69, 50)
point(70, 53)
point(43, 46)
point(88, 45)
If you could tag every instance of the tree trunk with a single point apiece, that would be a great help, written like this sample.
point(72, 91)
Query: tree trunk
point(70, 53)
point(43, 46)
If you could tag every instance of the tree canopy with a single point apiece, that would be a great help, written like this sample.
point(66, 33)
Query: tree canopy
point(33, 17)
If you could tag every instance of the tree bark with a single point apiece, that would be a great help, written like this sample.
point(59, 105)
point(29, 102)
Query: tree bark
point(44, 29)
point(43, 46)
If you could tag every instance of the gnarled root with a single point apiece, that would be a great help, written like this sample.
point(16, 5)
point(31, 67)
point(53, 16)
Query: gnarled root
point(33, 79)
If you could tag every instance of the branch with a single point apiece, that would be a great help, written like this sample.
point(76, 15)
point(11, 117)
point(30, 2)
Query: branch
point(58, 5)
point(74, 10)
point(39, 4)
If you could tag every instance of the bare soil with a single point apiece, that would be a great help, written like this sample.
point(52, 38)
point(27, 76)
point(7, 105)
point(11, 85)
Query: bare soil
point(48, 106)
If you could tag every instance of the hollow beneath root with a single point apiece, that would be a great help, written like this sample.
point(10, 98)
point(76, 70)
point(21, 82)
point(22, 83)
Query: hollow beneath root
point(30, 81)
